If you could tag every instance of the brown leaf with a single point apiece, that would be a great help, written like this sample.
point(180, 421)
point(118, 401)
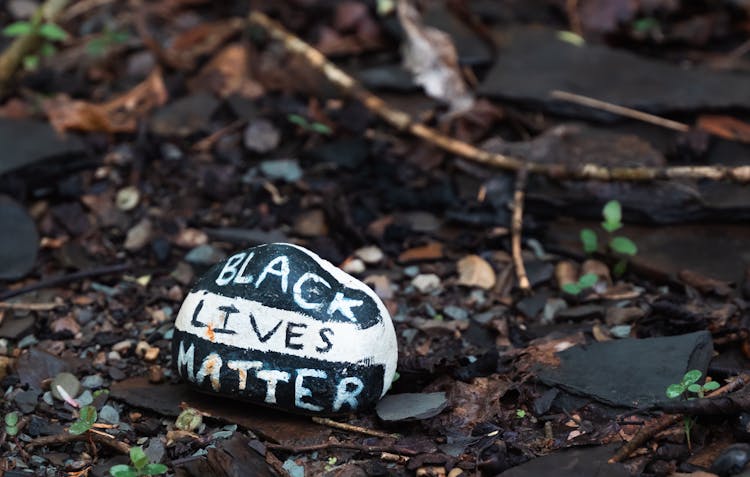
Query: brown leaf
point(228, 73)
point(118, 115)
point(201, 40)
point(703, 283)
point(474, 271)
point(725, 127)
point(431, 251)
point(431, 57)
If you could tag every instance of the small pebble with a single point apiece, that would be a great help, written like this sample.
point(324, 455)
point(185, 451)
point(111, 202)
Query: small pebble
point(455, 312)
point(261, 136)
point(370, 254)
point(426, 282)
point(287, 170)
point(354, 265)
point(411, 271)
point(68, 382)
point(93, 381)
point(109, 415)
point(122, 346)
point(204, 255)
point(732, 460)
point(113, 356)
point(155, 374)
point(85, 398)
point(127, 198)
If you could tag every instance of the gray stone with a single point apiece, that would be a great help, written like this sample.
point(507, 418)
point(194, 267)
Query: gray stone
point(19, 239)
point(94, 381)
point(284, 169)
point(205, 254)
point(629, 372)
point(411, 406)
point(109, 415)
point(575, 462)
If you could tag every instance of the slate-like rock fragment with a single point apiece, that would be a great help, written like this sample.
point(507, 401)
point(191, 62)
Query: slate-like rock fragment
point(411, 406)
point(279, 326)
point(629, 372)
point(19, 240)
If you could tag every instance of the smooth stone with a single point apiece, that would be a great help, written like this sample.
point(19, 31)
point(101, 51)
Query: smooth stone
point(279, 326)
point(68, 382)
point(732, 460)
point(94, 381)
point(109, 415)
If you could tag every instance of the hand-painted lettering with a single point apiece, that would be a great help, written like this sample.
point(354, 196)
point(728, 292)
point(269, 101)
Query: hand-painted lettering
point(343, 305)
point(283, 271)
point(297, 291)
point(210, 367)
point(241, 278)
point(328, 344)
point(194, 321)
point(186, 358)
point(242, 367)
point(271, 377)
point(228, 310)
point(267, 336)
point(300, 391)
point(229, 271)
point(291, 334)
point(346, 396)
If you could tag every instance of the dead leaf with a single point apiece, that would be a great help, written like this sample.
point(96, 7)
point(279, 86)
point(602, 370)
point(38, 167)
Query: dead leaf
point(725, 127)
point(228, 73)
point(116, 116)
point(565, 273)
point(703, 283)
point(429, 54)
point(474, 271)
point(201, 40)
point(431, 251)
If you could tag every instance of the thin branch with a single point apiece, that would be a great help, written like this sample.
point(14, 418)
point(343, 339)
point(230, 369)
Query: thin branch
point(4, 305)
point(63, 279)
point(516, 230)
point(342, 445)
point(65, 438)
point(403, 122)
point(351, 428)
point(620, 110)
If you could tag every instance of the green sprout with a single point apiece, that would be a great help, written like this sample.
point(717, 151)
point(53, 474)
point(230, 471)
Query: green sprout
point(620, 245)
point(331, 463)
point(11, 424)
point(49, 32)
point(189, 420)
point(305, 124)
point(689, 384)
point(86, 418)
point(141, 466)
point(587, 280)
point(520, 413)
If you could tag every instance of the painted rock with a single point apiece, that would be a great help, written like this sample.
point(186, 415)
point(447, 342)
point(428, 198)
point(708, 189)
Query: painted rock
point(277, 325)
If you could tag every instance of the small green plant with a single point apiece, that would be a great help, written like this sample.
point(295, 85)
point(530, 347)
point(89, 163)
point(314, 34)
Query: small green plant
point(48, 31)
point(587, 280)
point(11, 424)
point(141, 466)
point(520, 413)
point(106, 40)
point(86, 419)
point(189, 420)
point(331, 463)
point(621, 245)
point(689, 384)
point(313, 126)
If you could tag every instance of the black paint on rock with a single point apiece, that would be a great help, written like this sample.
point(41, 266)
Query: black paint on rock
point(275, 379)
point(269, 274)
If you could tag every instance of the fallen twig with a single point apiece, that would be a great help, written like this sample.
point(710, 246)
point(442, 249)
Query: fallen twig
point(4, 305)
point(343, 445)
point(351, 428)
point(65, 438)
point(662, 422)
point(516, 229)
point(404, 122)
point(620, 110)
point(62, 279)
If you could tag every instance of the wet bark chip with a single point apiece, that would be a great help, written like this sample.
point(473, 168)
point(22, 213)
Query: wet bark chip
point(279, 326)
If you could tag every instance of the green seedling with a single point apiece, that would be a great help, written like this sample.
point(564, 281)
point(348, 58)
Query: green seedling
point(140, 466)
point(619, 245)
point(109, 38)
point(50, 33)
point(305, 124)
point(11, 424)
point(689, 384)
point(331, 463)
point(86, 418)
point(520, 413)
point(587, 280)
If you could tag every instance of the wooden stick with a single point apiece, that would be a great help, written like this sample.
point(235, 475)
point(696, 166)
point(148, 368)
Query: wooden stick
point(351, 428)
point(30, 306)
point(65, 438)
point(620, 110)
point(63, 279)
point(516, 231)
point(403, 122)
